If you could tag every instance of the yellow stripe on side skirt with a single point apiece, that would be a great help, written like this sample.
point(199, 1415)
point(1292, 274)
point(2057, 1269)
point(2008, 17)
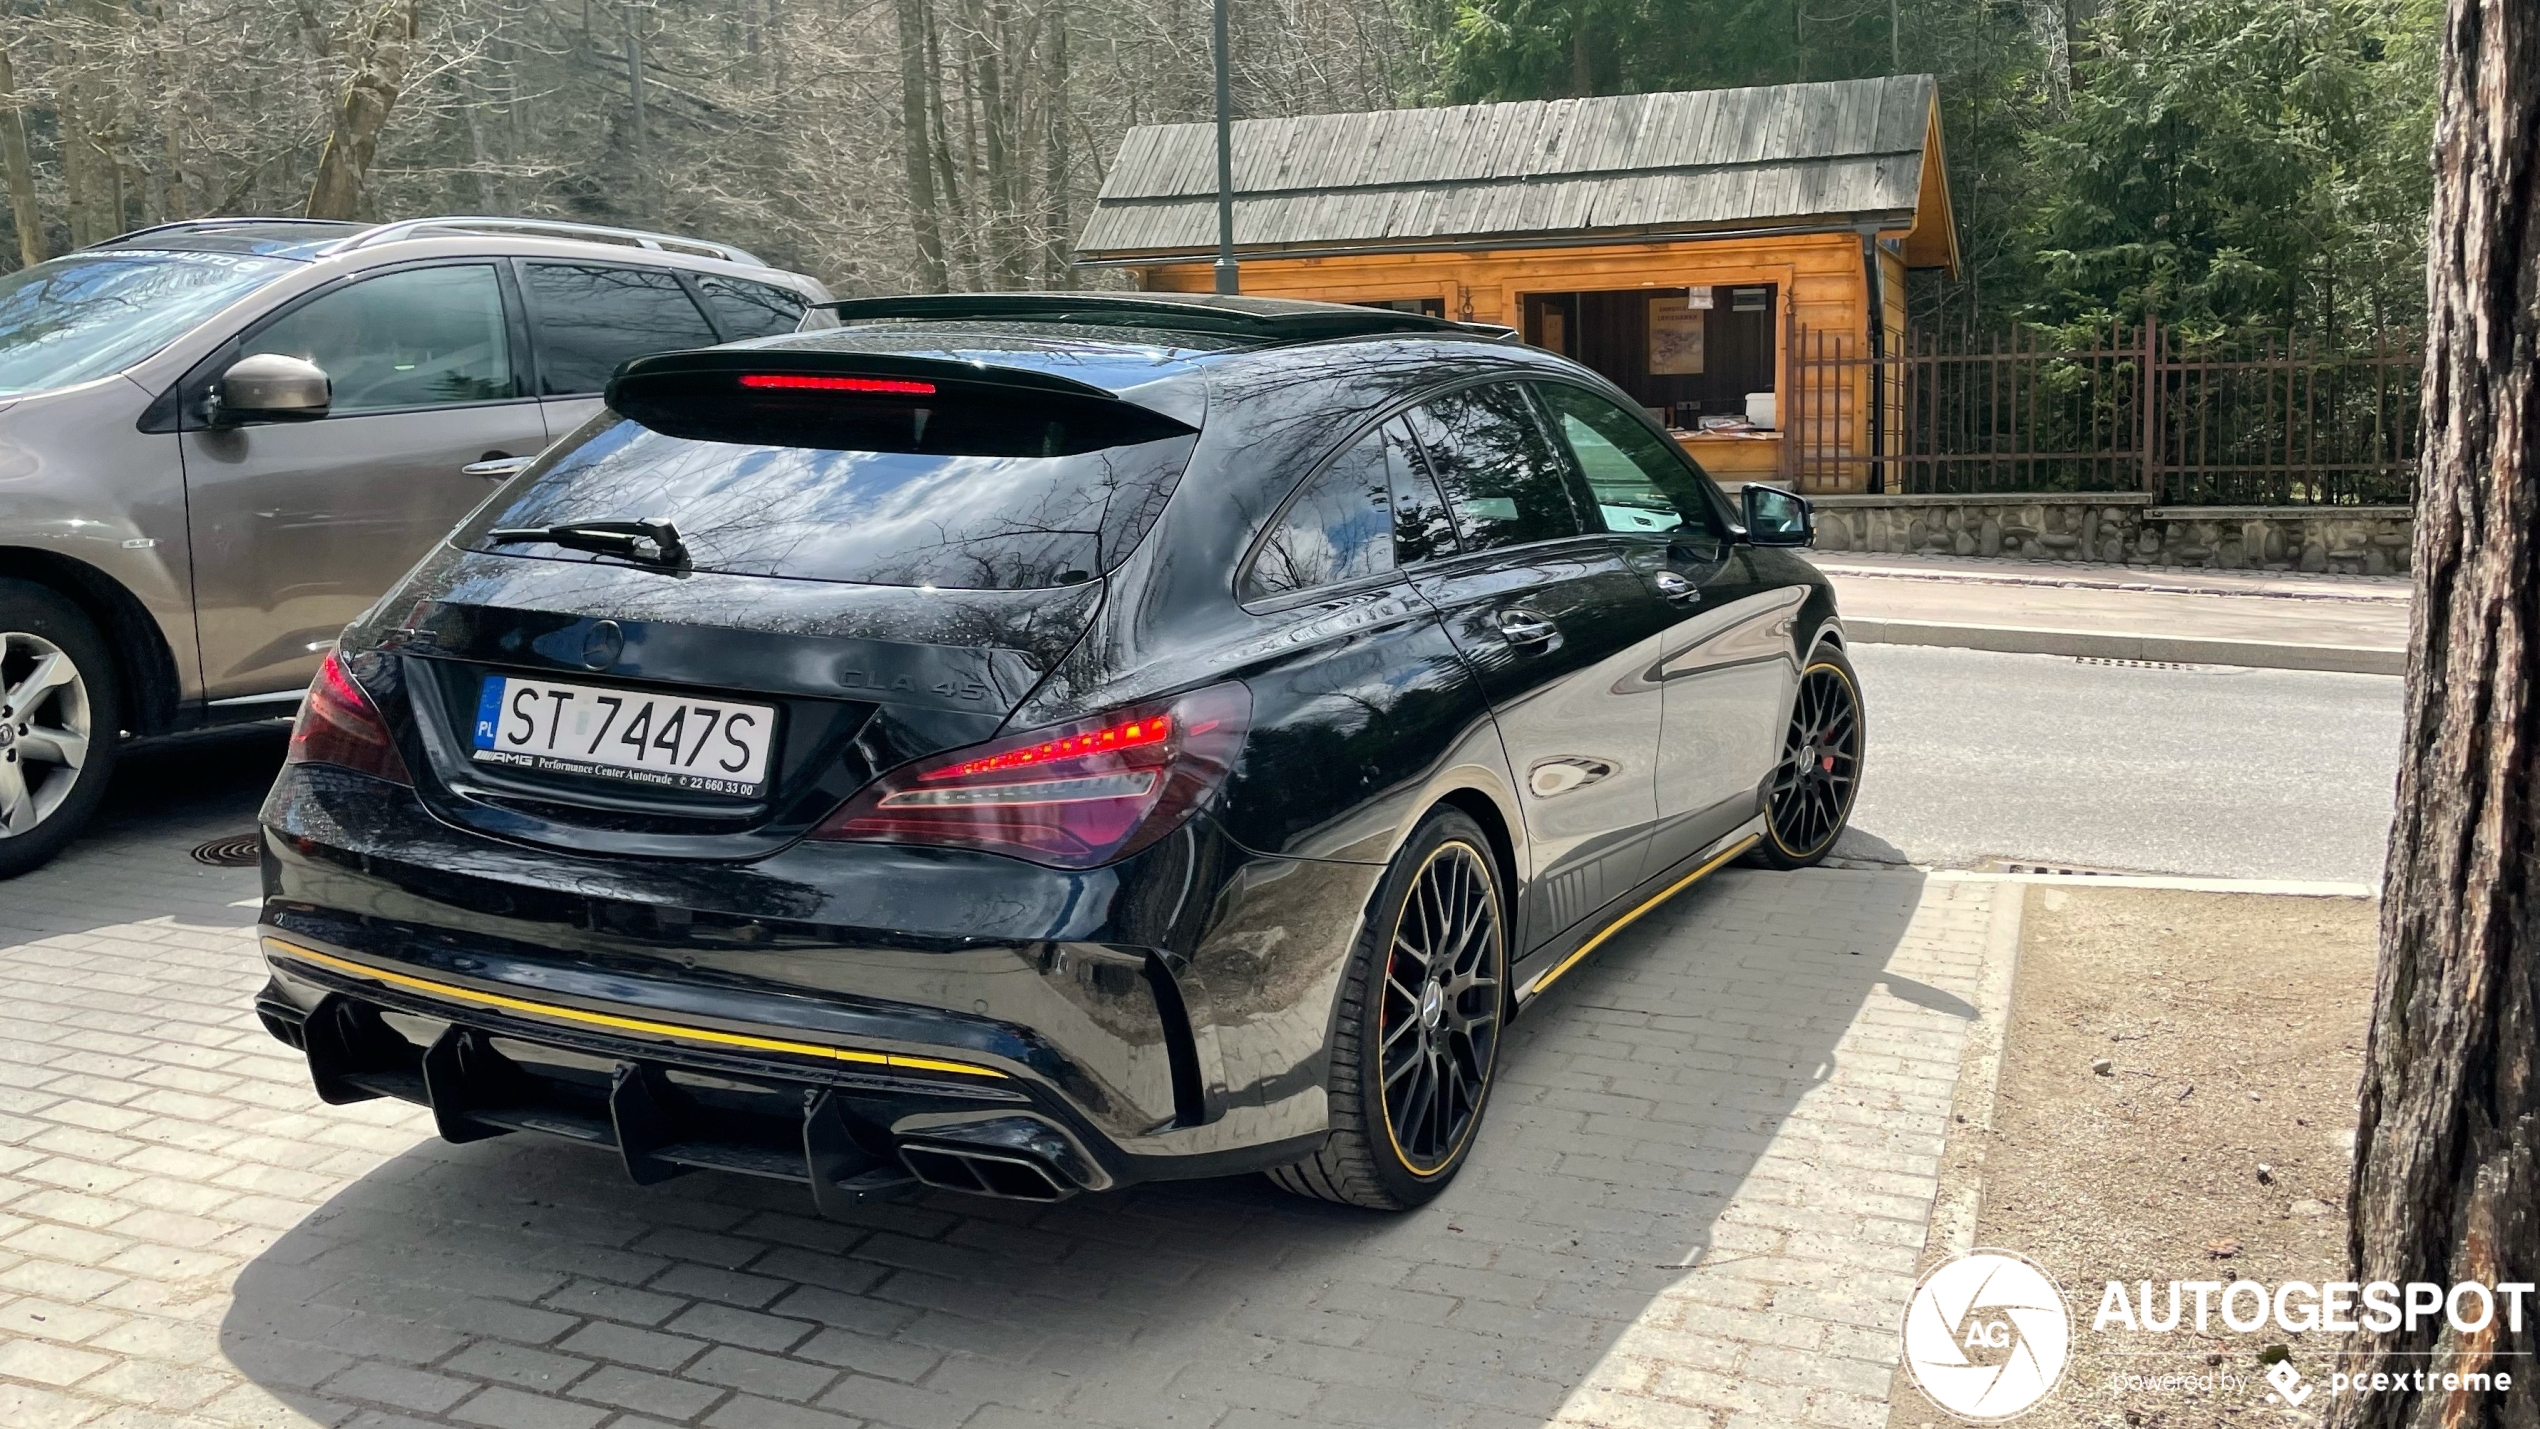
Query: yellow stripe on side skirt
point(1619, 924)
point(278, 948)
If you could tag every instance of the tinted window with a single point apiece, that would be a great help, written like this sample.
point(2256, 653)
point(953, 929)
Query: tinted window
point(747, 309)
point(1340, 527)
point(412, 339)
point(591, 318)
point(1422, 529)
point(977, 522)
point(1638, 483)
point(1496, 467)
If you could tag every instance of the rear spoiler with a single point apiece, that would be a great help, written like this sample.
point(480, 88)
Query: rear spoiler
point(877, 401)
point(1271, 321)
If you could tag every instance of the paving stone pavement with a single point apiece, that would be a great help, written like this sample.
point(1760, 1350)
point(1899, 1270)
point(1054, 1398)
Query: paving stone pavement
point(1698, 1201)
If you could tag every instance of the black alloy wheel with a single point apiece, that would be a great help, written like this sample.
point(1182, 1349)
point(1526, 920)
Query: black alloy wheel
point(1417, 1042)
point(1820, 768)
point(1438, 1024)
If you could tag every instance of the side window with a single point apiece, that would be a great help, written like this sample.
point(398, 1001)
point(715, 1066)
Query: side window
point(423, 337)
point(1496, 467)
point(1340, 527)
point(592, 317)
point(1639, 485)
point(1422, 529)
point(747, 309)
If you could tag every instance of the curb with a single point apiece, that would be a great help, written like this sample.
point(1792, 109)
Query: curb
point(2052, 581)
point(2109, 645)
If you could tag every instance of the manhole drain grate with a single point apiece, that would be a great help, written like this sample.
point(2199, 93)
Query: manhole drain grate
point(2061, 870)
point(2112, 662)
point(236, 851)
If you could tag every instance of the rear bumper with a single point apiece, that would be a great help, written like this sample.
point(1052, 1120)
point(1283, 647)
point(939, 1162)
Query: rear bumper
point(668, 1097)
point(858, 1008)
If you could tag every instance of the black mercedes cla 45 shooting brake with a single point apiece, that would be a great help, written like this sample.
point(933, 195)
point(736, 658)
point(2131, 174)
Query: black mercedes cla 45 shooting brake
point(1027, 745)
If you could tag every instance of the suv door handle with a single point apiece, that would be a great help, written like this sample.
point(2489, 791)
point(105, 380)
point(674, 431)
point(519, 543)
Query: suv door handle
point(497, 466)
point(1523, 627)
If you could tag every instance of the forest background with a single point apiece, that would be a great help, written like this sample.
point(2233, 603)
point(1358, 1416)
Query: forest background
point(2228, 166)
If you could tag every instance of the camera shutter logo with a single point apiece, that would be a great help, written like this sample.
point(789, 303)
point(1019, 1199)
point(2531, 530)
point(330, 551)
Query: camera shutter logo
point(1987, 1335)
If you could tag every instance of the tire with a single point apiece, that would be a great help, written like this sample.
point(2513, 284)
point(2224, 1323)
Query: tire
point(1445, 1038)
point(1818, 777)
point(61, 708)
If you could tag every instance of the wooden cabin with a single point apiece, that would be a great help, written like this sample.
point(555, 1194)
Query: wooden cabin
point(1677, 243)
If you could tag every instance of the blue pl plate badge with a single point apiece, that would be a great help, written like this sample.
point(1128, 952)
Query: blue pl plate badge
point(489, 708)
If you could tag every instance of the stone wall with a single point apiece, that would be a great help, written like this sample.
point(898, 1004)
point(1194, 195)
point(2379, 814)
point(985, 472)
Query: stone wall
point(2121, 528)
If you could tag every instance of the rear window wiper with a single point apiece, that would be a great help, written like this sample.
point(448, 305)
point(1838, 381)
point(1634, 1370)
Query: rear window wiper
point(630, 539)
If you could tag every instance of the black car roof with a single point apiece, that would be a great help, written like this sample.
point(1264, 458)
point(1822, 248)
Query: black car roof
point(1242, 319)
point(1151, 349)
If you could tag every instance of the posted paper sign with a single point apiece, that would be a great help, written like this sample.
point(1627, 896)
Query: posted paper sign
point(1675, 337)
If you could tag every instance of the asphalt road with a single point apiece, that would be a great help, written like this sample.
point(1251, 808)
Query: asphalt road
point(2213, 771)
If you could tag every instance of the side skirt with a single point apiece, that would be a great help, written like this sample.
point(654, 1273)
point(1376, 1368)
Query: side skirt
point(1546, 966)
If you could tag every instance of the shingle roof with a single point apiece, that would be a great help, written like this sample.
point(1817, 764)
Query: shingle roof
point(1780, 156)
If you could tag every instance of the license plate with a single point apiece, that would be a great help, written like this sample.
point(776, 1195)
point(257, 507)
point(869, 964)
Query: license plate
point(715, 746)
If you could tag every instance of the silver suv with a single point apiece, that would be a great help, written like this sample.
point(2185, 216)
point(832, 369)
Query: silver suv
point(221, 440)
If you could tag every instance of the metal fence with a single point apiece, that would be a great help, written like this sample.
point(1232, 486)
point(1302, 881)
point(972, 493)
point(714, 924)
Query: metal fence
point(2270, 422)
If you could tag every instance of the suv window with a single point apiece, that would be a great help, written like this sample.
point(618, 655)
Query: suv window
point(747, 309)
point(1639, 485)
point(1340, 527)
point(417, 338)
point(1496, 466)
point(592, 316)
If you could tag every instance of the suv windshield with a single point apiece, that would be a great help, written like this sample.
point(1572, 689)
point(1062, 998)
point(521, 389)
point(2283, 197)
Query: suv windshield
point(979, 517)
point(89, 314)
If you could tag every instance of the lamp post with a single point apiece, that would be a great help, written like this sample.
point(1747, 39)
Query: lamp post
point(1228, 280)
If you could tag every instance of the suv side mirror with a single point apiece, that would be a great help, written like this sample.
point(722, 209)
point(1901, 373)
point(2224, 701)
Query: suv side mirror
point(1775, 517)
point(274, 388)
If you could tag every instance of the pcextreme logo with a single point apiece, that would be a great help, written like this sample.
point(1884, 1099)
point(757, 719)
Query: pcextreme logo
point(1987, 1335)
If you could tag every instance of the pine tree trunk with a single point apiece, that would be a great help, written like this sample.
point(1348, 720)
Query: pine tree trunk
point(2447, 1162)
point(370, 96)
point(917, 133)
point(20, 171)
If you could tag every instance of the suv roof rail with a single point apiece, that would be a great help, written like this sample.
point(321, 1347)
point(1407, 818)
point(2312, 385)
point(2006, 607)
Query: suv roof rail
point(199, 225)
point(1268, 319)
point(553, 228)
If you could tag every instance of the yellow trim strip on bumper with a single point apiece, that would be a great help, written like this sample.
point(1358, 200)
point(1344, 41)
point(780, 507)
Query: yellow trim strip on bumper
point(278, 948)
point(1619, 924)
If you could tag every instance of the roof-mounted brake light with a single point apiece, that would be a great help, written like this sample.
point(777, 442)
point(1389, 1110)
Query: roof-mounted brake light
point(799, 382)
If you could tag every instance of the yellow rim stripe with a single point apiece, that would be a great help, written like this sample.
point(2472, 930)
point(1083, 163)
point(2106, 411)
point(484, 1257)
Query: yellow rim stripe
point(1619, 924)
point(279, 948)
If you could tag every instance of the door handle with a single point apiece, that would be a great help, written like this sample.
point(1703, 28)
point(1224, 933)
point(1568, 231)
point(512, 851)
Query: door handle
point(1524, 627)
point(1675, 587)
point(496, 467)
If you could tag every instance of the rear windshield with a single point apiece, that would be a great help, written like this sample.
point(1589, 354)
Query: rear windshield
point(926, 518)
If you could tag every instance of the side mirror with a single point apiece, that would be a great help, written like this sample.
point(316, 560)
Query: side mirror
point(1775, 517)
point(272, 388)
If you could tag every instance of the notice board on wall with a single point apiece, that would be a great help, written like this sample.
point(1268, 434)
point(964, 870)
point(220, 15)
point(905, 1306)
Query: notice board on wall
point(1675, 336)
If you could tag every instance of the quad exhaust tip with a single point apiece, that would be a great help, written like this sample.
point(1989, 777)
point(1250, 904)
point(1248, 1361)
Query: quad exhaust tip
point(984, 1173)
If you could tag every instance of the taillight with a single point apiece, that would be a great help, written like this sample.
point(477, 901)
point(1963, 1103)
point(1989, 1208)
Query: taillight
point(340, 726)
point(1073, 796)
